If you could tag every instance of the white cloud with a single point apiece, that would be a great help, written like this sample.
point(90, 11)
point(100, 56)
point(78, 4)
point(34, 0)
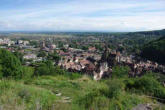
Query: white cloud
point(87, 15)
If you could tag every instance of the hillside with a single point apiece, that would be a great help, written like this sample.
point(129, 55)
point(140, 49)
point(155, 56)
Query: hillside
point(150, 33)
point(83, 93)
point(155, 50)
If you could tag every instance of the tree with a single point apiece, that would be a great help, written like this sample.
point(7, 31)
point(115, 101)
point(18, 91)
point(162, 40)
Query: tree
point(19, 56)
point(42, 54)
point(45, 68)
point(98, 47)
point(35, 43)
point(10, 65)
point(84, 47)
point(155, 50)
point(54, 56)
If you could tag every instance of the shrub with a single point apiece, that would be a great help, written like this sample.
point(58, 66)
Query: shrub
point(59, 71)
point(115, 88)
point(24, 94)
point(45, 68)
point(147, 85)
point(120, 71)
point(73, 76)
point(91, 99)
point(88, 99)
point(28, 72)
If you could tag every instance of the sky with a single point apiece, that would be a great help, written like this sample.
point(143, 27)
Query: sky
point(82, 15)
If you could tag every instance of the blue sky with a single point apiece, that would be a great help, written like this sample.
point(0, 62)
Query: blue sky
point(82, 15)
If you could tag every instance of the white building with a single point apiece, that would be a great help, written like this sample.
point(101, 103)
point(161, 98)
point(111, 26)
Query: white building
point(30, 56)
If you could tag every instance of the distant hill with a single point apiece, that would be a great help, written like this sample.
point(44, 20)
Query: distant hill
point(155, 50)
point(155, 32)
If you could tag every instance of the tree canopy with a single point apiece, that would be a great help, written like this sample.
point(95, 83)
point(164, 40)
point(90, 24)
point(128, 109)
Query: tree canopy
point(155, 50)
point(10, 65)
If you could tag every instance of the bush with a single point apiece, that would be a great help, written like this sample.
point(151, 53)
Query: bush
point(147, 85)
point(120, 71)
point(24, 94)
point(59, 71)
point(115, 88)
point(28, 72)
point(73, 76)
point(88, 99)
point(94, 100)
point(45, 68)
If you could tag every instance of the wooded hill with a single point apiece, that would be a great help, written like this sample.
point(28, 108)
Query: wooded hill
point(152, 33)
point(155, 50)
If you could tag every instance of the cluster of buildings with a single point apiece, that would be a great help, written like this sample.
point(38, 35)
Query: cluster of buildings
point(77, 59)
point(91, 61)
point(6, 41)
point(29, 52)
point(100, 65)
point(9, 42)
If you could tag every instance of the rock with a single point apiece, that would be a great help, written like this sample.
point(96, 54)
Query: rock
point(66, 98)
point(143, 107)
point(58, 94)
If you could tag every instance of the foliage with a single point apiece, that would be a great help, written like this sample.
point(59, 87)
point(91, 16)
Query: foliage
point(42, 54)
point(115, 88)
point(60, 44)
point(45, 68)
point(120, 71)
point(17, 96)
point(83, 93)
point(98, 47)
point(34, 43)
point(155, 47)
point(10, 65)
point(28, 72)
point(54, 57)
point(19, 56)
point(147, 85)
point(84, 47)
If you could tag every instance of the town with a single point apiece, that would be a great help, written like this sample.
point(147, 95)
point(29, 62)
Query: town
point(82, 55)
point(75, 54)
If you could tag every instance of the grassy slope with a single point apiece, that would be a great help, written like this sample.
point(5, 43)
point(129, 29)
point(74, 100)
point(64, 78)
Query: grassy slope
point(77, 94)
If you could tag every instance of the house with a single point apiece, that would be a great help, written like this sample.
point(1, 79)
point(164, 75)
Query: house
point(30, 56)
point(92, 49)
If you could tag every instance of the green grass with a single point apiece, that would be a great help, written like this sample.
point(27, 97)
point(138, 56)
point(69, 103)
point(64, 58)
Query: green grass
point(81, 93)
point(18, 96)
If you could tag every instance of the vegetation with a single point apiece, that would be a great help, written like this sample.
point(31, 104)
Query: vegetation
point(155, 50)
point(42, 54)
point(120, 71)
point(10, 65)
point(146, 85)
point(54, 57)
point(63, 93)
point(45, 86)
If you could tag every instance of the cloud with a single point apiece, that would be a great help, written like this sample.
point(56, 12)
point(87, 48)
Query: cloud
point(93, 15)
